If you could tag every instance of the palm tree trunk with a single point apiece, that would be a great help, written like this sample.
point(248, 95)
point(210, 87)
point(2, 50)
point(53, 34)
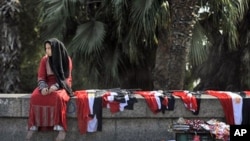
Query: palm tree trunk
point(10, 47)
point(171, 56)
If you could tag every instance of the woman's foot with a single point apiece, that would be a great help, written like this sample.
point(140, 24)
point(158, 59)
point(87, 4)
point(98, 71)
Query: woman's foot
point(61, 136)
point(29, 135)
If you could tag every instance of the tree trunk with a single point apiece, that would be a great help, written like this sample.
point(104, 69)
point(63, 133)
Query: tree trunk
point(10, 47)
point(171, 56)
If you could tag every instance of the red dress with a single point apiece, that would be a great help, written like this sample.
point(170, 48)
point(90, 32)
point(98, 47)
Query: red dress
point(47, 111)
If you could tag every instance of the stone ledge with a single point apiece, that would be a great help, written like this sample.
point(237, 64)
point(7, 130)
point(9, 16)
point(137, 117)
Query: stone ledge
point(140, 124)
point(16, 105)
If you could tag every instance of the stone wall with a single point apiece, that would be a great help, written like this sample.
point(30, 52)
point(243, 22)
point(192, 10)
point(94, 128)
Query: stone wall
point(139, 124)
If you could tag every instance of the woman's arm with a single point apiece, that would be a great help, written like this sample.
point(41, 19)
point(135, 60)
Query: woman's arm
point(42, 84)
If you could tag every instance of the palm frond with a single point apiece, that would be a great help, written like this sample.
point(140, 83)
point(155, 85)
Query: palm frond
point(227, 14)
point(141, 13)
point(163, 16)
point(120, 9)
point(113, 62)
point(200, 44)
point(89, 38)
point(55, 15)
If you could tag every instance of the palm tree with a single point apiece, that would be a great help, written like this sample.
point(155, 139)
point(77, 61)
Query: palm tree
point(219, 56)
point(10, 46)
point(114, 41)
point(174, 43)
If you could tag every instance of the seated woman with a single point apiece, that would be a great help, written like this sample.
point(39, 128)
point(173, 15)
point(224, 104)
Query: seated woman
point(48, 103)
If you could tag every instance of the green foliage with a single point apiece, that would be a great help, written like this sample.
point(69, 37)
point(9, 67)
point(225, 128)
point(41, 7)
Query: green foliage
point(113, 42)
point(110, 39)
point(32, 49)
point(218, 44)
point(89, 39)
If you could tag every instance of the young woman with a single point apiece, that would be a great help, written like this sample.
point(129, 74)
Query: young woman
point(48, 103)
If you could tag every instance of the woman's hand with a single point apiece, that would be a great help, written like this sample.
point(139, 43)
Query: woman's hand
point(45, 91)
point(53, 88)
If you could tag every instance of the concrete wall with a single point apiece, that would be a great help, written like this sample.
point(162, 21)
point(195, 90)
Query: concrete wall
point(139, 124)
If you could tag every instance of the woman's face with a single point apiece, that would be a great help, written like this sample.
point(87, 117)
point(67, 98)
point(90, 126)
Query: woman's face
point(48, 49)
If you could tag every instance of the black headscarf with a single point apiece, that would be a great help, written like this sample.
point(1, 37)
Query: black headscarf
point(59, 63)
